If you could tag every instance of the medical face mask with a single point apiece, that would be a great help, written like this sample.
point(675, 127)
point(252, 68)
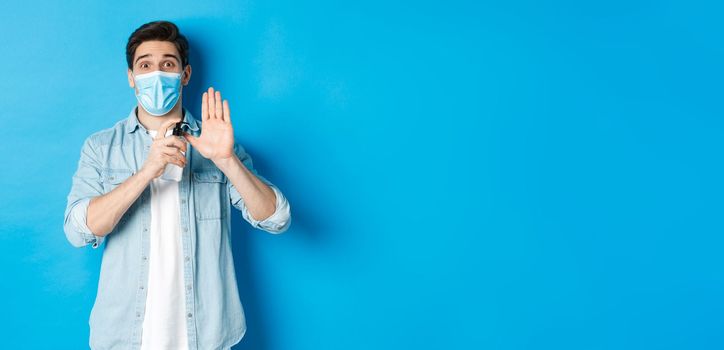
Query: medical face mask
point(158, 91)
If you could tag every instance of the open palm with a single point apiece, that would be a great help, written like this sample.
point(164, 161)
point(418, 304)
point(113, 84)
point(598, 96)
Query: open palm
point(216, 141)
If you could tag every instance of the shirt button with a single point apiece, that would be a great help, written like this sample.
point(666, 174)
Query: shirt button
point(138, 314)
point(141, 287)
point(189, 315)
point(183, 201)
point(145, 258)
point(145, 230)
point(187, 258)
point(188, 287)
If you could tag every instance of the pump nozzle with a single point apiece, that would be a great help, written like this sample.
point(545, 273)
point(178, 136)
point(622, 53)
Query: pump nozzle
point(177, 131)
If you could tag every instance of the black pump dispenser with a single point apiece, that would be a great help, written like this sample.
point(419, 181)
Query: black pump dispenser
point(177, 131)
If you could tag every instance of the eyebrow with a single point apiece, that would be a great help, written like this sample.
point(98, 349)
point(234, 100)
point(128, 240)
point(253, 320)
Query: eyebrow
point(164, 55)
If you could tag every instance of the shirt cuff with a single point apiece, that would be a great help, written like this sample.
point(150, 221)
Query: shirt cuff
point(79, 216)
point(279, 221)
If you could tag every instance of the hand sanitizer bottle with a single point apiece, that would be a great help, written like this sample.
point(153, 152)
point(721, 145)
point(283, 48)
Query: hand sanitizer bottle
point(174, 172)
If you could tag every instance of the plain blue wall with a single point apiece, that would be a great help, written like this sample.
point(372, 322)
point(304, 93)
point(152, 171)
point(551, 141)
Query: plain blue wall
point(510, 175)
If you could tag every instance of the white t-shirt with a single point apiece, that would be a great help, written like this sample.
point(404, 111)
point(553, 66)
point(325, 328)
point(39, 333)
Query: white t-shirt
point(164, 323)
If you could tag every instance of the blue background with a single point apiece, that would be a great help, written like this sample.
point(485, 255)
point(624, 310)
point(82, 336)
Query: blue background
point(462, 175)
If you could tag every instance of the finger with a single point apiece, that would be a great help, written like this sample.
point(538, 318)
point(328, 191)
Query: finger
point(174, 160)
point(191, 139)
point(205, 106)
point(212, 104)
point(161, 132)
point(175, 155)
point(172, 151)
point(181, 159)
point(178, 143)
point(174, 141)
point(169, 151)
point(174, 148)
point(227, 115)
point(169, 142)
point(217, 103)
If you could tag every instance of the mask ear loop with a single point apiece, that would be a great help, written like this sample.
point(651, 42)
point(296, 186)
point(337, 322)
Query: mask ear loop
point(135, 82)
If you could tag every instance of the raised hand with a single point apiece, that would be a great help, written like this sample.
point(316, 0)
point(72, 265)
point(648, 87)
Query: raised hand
point(216, 141)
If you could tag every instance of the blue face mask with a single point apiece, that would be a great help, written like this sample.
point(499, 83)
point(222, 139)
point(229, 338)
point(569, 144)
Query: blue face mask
point(158, 91)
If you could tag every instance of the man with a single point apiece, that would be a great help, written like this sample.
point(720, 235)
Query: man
point(167, 277)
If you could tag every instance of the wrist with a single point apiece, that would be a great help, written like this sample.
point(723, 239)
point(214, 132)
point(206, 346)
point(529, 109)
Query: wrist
point(145, 175)
point(225, 164)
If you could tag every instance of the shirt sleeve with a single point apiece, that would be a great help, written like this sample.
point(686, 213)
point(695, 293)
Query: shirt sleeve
point(86, 185)
point(280, 220)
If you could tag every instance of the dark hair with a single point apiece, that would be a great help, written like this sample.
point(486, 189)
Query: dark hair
point(158, 30)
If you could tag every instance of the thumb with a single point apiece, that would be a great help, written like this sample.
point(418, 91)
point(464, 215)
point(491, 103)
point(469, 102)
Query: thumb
point(161, 132)
point(191, 139)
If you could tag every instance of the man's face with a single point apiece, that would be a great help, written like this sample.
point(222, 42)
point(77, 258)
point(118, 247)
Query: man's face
point(157, 55)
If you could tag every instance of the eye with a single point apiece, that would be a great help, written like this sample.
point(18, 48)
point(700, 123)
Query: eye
point(144, 65)
point(168, 64)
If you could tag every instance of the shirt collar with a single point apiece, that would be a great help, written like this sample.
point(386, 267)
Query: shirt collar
point(132, 122)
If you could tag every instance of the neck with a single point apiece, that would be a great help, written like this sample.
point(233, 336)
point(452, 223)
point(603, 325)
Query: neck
point(151, 122)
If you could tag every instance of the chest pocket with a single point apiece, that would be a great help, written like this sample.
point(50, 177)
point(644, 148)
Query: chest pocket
point(114, 177)
point(209, 194)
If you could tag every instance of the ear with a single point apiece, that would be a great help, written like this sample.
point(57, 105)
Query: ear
point(131, 82)
point(187, 76)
